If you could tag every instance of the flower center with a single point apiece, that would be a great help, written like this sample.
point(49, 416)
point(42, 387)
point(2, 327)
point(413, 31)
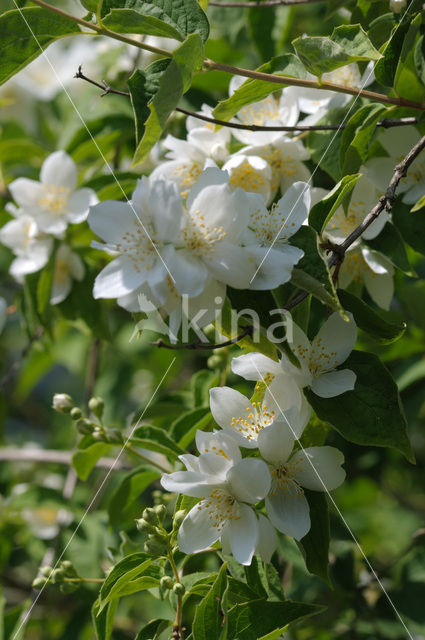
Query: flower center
point(54, 199)
point(61, 271)
point(258, 114)
point(198, 237)
point(138, 245)
point(247, 177)
point(284, 479)
point(188, 174)
point(281, 165)
point(257, 419)
point(271, 227)
point(221, 507)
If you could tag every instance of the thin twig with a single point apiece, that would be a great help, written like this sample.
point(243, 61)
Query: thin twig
point(198, 345)
point(51, 456)
point(266, 3)
point(386, 123)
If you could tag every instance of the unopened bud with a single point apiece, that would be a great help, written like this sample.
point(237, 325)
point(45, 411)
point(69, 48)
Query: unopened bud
point(85, 426)
point(154, 547)
point(160, 511)
point(114, 436)
point(99, 434)
point(75, 413)
point(158, 535)
point(46, 571)
point(96, 405)
point(145, 526)
point(38, 583)
point(150, 515)
point(397, 6)
point(179, 516)
point(166, 582)
point(69, 587)
point(62, 403)
point(179, 589)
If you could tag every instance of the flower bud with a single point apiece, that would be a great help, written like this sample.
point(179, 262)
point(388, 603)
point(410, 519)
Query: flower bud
point(75, 413)
point(62, 403)
point(114, 436)
point(179, 589)
point(96, 405)
point(397, 6)
point(39, 583)
point(85, 426)
point(69, 587)
point(158, 535)
point(160, 511)
point(154, 547)
point(179, 516)
point(150, 515)
point(166, 582)
point(99, 434)
point(46, 571)
point(145, 526)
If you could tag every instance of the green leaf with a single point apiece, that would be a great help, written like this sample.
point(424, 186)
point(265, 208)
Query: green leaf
point(372, 321)
point(374, 407)
point(348, 43)
point(184, 16)
point(410, 225)
point(420, 204)
point(129, 489)
point(323, 210)
point(208, 621)
point(254, 90)
point(308, 283)
point(390, 243)
point(84, 460)
point(406, 81)
point(184, 428)
point(238, 591)
point(357, 137)
point(315, 544)
point(143, 86)
point(419, 58)
point(153, 629)
point(324, 145)
point(254, 574)
point(18, 45)
point(130, 567)
point(385, 68)
point(261, 619)
point(261, 25)
point(104, 622)
point(130, 21)
point(174, 82)
point(156, 439)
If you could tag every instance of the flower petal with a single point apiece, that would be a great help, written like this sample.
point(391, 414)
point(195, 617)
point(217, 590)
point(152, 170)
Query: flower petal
point(273, 265)
point(319, 468)
point(227, 404)
point(243, 534)
point(288, 511)
point(230, 264)
point(380, 287)
point(78, 205)
point(276, 442)
point(334, 342)
point(267, 540)
point(27, 193)
point(59, 169)
point(253, 366)
point(196, 531)
point(111, 220)
point(118, 278)
point(190, 483)
point(333, 383)
point(249, 480)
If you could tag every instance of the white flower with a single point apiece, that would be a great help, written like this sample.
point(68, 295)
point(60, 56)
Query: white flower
point(371, 267)
point(398, 142)
point(32, 249)
point(271, 111)
point(314, 468)
point(318, 361)
point(251, 173)
point(53, 202)
point(68, 267)
point(244, 420)
point(224, 485)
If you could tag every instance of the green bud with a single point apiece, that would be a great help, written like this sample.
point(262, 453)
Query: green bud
point(179, 589)
point(150, 515)
point(166, 582)
point(160, 511)
point(96, 405)
point(154, 547)
point(85, 426)
point(46, 571)
point(62, 403)
point(38, 583)
point(69, 587)
point(209, 332)
point(158, 534)
point(114, 436)
point(75, 413)
point(145, 526)
point(99, 434)
point(179, 516)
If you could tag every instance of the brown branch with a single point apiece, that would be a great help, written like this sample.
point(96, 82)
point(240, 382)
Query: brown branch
point(197, 345)
point(266, 3)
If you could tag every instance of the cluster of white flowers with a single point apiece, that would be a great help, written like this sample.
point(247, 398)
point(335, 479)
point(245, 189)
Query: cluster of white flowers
point(228, 485)
point(42, 213)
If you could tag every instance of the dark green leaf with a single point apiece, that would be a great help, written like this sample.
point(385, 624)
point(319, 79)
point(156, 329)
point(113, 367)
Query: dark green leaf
point(174, 82)
point(184, 428)
point(153, 629)
point(315, 544)
point(386, 67)
point(156, 439)
point(130, 567)
point(84, 460)
point(129, 489)
point(184, 16)
point(18, 45)
point(322, 211)
point(143, 86)
point(104, 622)
point(254, 90)
point(256, 619)
point(357, 137)
point(410, 225)
point(208, 621)
point(254, 574)
point(261, 25)
point(374, 407)
point(390, 243)
point(238, 591)
point(371, 321)
point(130, 21)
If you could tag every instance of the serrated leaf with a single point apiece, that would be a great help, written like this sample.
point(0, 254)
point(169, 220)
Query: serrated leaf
point(355, 41)
point(85, 460)
point(357, 137)
point(315, 544)
point(18, 45)
point(371, 321)
point(185, 16)
point(131, 21)
point(208, 621)
point(156, 439)
point(376, 417)
point(254, 90)
point(323, 210)
point(257, 619)
point(390, 243)
point(143, 86)
point(174, 82)
point(129, 489)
